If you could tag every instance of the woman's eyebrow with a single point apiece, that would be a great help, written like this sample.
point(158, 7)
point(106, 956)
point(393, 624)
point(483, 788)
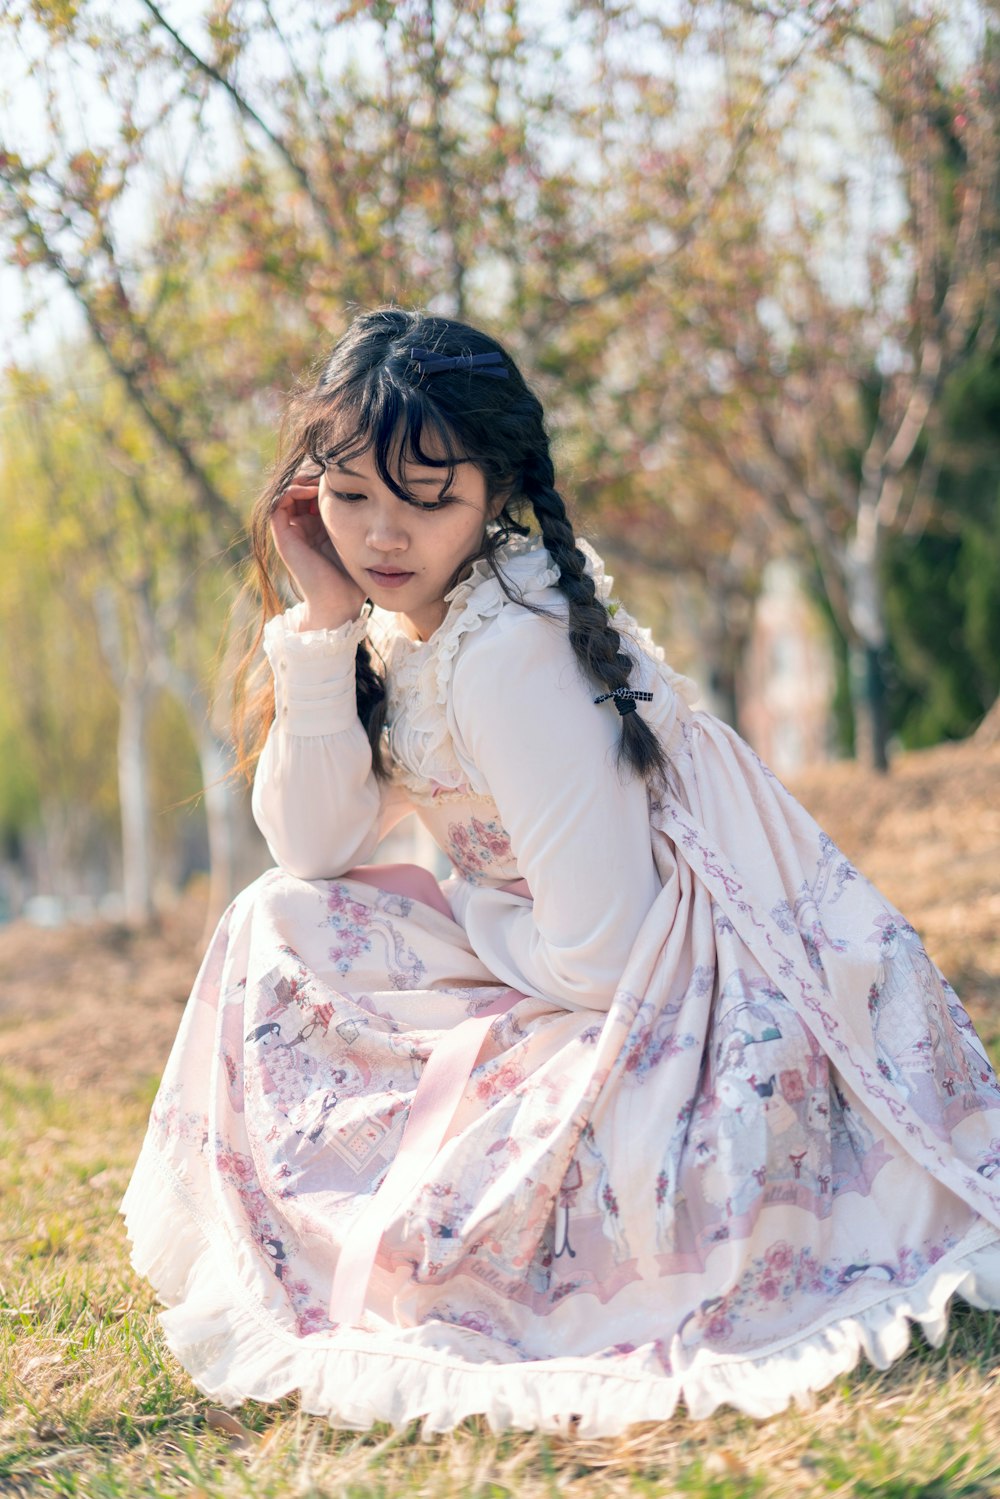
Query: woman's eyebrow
point(353, 473)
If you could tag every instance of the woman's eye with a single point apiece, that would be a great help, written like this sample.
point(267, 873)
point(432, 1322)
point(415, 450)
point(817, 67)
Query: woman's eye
point(429, 505)
point(352, 497)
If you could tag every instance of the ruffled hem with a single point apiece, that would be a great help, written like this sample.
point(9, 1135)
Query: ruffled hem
point(235, 1350)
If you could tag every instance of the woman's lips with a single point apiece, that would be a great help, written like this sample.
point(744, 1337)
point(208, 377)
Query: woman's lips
point(388, 580)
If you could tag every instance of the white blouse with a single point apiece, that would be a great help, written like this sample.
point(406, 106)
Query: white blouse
point(495, 742)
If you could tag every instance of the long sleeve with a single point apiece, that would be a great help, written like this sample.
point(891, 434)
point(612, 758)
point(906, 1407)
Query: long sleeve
point(316, 799)
point(579, 827)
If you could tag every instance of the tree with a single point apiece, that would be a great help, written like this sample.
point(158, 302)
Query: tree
point(57, 711)
point(605, 186)
point(431, 171)
point(943, 571)
point(122, 529)
point(819, 402)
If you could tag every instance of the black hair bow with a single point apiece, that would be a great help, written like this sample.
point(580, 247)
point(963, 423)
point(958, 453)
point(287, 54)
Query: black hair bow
point(625, 699)
point(430, 363)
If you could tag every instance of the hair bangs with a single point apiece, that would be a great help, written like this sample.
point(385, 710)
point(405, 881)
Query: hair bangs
point(397, 425)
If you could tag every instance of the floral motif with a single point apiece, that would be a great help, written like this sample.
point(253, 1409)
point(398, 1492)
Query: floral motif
point(730, 1159)
point(359, 925)
point(788, 1275)
point(476, 846)
point(350, 920)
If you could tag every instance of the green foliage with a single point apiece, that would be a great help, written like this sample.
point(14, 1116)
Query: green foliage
point(19, 787)
point(943, 586)
point(93, 519)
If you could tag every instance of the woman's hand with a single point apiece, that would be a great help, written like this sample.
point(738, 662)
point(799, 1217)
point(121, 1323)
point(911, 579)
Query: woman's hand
point(331, 597)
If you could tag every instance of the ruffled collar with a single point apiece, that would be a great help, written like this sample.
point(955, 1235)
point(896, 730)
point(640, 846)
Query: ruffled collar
point(419, 671)
point(526, 567)
point(522, 560)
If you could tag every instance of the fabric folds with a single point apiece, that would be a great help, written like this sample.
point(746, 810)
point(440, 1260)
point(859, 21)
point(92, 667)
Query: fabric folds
point(769, 1145)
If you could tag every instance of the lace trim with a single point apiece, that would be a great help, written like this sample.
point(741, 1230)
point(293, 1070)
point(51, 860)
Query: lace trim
point(419, 672)
point(236, 1349)
point(418, 740)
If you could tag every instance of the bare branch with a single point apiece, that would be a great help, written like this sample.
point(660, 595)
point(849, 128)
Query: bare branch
point(281, 146)
point(164, 419)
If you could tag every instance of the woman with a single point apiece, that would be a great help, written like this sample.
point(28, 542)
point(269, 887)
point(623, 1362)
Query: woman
point(655, 1097)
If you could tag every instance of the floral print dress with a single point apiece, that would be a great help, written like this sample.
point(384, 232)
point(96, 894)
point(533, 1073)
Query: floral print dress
point(768, 1143)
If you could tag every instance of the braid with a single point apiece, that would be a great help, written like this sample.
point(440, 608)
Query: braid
point(370, 688)
point(595, 641)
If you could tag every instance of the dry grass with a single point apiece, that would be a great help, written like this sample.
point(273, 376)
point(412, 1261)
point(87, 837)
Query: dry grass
point(91, 1404)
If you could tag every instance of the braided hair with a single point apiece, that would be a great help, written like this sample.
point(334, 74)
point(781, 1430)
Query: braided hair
point(467, 396)
point(596, 643)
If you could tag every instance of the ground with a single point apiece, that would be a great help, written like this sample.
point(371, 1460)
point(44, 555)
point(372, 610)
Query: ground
point(91, 1404)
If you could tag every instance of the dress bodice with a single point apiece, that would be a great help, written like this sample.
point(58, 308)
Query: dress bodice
point(418, 738)
point(445, 789)
point(460, 816)
point(468, 828)
point(493, 738)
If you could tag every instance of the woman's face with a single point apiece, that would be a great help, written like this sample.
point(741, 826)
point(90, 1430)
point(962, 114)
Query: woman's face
point(403, 555)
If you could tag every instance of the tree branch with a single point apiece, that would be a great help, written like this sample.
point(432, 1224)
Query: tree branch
point(246, 109)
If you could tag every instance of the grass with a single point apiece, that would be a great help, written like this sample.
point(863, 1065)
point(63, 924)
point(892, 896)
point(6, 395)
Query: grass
point(92, 1404)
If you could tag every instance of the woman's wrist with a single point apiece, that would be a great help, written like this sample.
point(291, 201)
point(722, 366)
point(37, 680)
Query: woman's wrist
point(317, 617)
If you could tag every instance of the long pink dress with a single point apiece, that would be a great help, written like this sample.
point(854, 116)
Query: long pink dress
point(656, 1099)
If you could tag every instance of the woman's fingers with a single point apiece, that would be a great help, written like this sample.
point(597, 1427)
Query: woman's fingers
point(301, 519)
point(330, 595)
point(301, 537)
point(298, 497)
point(302, 487)
point(297, 536)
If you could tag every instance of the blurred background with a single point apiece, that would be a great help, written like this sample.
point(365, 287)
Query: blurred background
point(746, 250)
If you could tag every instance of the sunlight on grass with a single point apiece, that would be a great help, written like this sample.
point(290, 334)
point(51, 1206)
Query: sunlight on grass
point(94, 1405)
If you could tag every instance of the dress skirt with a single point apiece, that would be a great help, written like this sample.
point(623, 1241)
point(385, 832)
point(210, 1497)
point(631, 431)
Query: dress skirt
point(777, 1149)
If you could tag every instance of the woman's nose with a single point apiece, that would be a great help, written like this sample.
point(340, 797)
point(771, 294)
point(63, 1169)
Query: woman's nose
point(386, 532)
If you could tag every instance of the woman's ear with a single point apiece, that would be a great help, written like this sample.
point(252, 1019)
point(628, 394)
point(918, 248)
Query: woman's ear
point(498, 499)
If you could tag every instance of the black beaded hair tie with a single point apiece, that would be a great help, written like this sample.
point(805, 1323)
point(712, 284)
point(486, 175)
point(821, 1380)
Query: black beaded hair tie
point(625, 698)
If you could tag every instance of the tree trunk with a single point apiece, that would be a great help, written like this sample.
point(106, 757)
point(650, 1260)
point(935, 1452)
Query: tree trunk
point(989, 730)
point(133, 797)
point(869, 706)
point(131, 677)
point(224, 812)
point(866, 654)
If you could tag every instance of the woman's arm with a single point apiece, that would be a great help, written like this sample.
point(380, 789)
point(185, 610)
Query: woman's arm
point(579, 828)
point(315, 797)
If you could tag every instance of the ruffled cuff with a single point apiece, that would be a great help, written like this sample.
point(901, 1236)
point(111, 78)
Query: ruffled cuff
point(314, 690)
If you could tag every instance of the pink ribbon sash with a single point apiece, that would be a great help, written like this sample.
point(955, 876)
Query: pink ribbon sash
point(410, 880)
point(439, 1092)
point(438, 1095)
